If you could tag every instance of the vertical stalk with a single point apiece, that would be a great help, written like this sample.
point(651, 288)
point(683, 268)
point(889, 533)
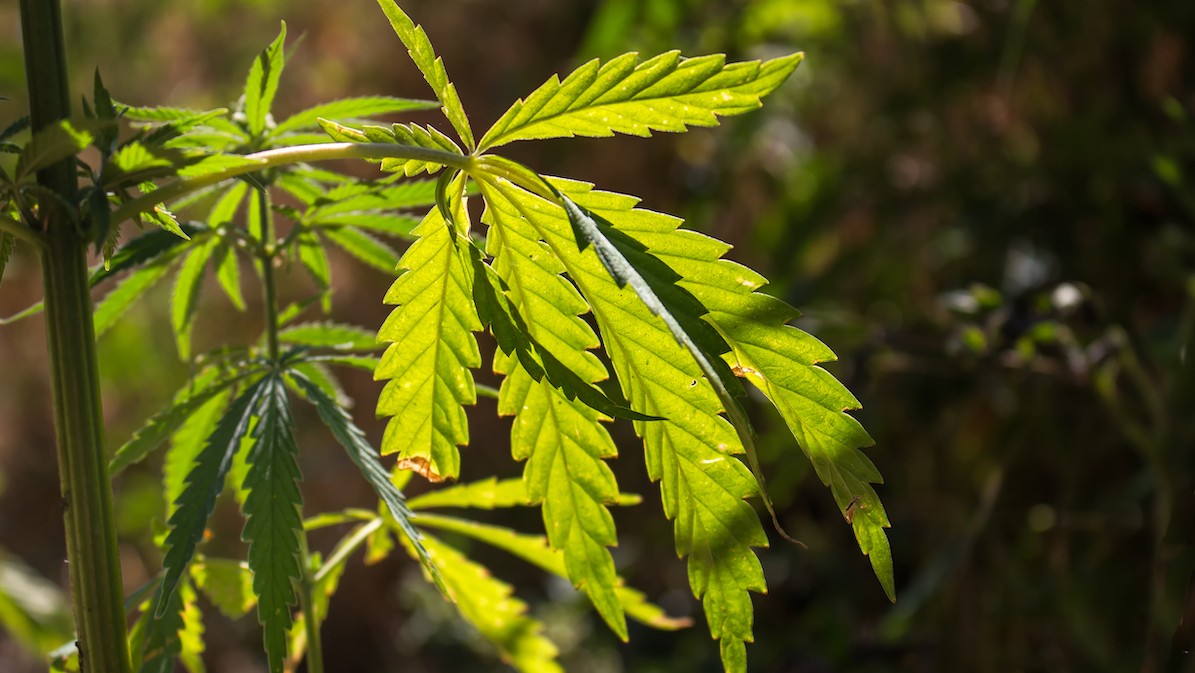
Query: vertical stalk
point(269, 251)
point(94, 561)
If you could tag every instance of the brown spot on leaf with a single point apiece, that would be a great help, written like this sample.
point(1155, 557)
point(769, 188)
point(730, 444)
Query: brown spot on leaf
point(420, 466)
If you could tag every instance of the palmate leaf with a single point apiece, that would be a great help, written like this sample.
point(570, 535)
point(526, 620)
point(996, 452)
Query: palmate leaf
point(431, 351)
point(273, 524)
point(780, 360)
point(626, 95)
point(400, 134)
point(204, 483)
point(490, 606)
point(432, 67)
point(177, 634)
point(363, 455)
point(703, 486)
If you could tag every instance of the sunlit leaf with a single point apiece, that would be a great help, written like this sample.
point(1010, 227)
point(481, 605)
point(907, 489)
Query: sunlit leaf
point(228, 584)
point(432, 67)
point(484, 494)
point(329, 335)
point(263, 82)
point(431, 351)
point(349, 109)
point(364, 247)
point(491, 607)
point(626, 95)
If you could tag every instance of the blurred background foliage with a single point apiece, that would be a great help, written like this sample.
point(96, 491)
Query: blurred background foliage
point(984, 207)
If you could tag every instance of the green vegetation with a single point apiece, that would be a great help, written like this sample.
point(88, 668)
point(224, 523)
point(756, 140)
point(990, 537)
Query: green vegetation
point(679, 327)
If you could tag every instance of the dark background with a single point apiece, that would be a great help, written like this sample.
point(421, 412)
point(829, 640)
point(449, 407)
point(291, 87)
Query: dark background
point(983, 207)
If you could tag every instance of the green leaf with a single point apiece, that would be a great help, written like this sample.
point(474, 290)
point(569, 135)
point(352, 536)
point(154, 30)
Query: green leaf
point(565, 447)
point(53, 143)
point(485, 494)
point(491, 607)
point(170, 634)
point(163, 425)
point(228, 273)
point(516, 338)
point(204, 482)
point(333, 335)
point(228, 584)
point(412, 135)
point(185, 300)
point(430, 353)
point(135, 162)
point(390, 224)
point(347, 109)
point(534, 549)
point(115, 303)
point(780, 360)
point(420, 49)
point(263, 82)
point(364, 247)
point(702, 486)
point(273, 525)
point(363, 455)
point(145, 248)
point(313, 258)
point(626, 95)
point(189, 440)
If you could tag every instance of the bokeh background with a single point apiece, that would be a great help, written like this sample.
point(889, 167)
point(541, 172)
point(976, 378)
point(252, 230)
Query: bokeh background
point(985, 208)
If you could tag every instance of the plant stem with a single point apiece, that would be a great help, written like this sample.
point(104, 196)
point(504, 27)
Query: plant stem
point(307, 587)
point(284, 156)
point(269, 251)
point(91, 546)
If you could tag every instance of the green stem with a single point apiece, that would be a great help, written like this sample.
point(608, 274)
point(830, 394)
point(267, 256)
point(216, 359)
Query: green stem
point(285, 156)
point(21, 232)
point(91, 545)
point(307, 588)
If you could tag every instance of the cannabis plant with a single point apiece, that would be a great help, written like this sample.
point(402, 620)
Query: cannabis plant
point(601, 310)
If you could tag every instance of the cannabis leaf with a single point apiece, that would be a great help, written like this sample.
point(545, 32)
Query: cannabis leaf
point(273, 525)
point(363, 455)
point(565, 446)
point(432, 67)
point(489, 605)
point(204, 482)
point(626, 95)
point(703, 487)
point(430, 353)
